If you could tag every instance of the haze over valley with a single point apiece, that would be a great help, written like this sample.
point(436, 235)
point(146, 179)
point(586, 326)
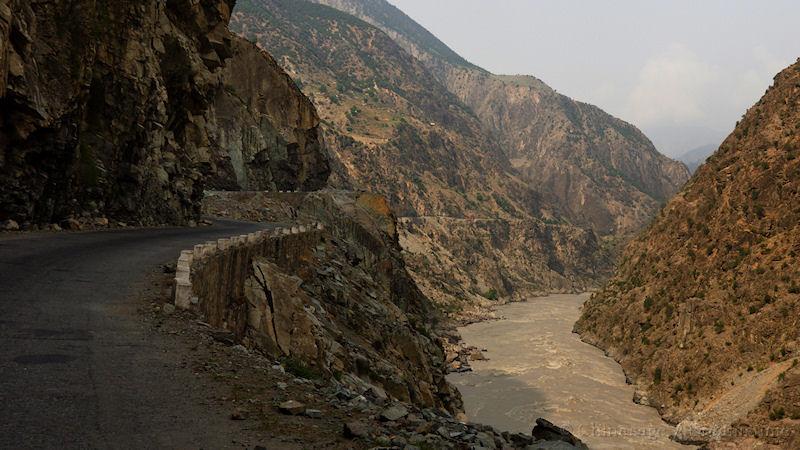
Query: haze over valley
point(399, 224)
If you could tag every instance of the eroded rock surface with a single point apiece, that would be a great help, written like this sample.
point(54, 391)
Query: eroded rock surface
point(127, 108)
point(336, 301)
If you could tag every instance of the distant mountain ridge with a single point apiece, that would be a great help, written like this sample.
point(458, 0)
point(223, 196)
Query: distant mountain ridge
point(397, 25)
point(695, 157)
point(675, 140)
point(604, 172)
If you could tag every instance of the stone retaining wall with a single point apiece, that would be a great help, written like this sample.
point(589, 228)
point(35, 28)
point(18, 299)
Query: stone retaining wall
point(210, 278)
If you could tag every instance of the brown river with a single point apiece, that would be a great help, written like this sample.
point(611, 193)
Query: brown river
point(538, 368)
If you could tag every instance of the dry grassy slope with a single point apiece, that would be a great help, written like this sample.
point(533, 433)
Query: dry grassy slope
point(712, 287)
point(604, 172)
point(393, 128)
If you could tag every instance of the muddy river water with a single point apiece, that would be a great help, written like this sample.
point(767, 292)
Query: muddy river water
point(538, 368)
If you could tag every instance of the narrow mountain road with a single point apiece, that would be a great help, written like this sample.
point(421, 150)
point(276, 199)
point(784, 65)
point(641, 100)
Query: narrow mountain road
point(78, 368)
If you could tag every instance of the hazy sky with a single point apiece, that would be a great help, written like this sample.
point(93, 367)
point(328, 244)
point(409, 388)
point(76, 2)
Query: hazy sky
point(682, 70)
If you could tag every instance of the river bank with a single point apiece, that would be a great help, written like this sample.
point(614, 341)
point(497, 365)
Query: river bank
point(537, 367)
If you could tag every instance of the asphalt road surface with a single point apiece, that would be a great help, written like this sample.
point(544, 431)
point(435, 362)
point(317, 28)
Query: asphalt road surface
point(78, 369)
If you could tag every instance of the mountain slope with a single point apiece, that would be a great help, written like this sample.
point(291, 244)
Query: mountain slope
point(393, 128)
point(710, 292)
point(604, 172)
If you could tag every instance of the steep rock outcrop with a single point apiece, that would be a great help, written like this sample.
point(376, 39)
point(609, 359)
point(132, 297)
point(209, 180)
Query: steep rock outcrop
point(460, 263)
point(266, 129)
point(108, 108)
point(391, 128)
point(706, 300)
point(338, 300)
point(604, 171)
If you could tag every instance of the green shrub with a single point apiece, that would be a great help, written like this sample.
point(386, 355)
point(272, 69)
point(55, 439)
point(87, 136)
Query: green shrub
point(657, 375)
point(777, 413)
point(299, 369)
point(669, 311)
point(504, 204)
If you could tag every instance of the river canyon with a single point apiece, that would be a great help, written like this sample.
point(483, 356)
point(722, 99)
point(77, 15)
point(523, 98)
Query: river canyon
point(537, 367)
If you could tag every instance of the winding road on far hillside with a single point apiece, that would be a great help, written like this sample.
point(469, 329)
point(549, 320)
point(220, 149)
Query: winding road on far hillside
point(78, 368)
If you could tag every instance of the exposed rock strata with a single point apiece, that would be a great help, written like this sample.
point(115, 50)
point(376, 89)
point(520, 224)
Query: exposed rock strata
point(467, 266)
point(119, 108)
point(266, 129)
point(337, 300)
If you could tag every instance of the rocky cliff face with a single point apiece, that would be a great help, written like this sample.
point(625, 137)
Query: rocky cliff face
point(469, 265)
point(266, 130)
point(393, 128)
point(126, 109)
point(702, 312)
point(604, 172)
point(338, 300)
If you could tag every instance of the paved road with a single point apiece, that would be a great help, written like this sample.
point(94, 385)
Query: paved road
point(77, 368)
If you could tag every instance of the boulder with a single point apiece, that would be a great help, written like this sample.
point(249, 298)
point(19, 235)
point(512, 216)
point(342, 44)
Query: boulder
point(547, 431)
point(485, 440)
point(355, 430)
point(393, 413)
point(71, 224)
point(377, 394)
point(292, 407)
point(10, 225)
point(477, 355)
point(313, 413)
